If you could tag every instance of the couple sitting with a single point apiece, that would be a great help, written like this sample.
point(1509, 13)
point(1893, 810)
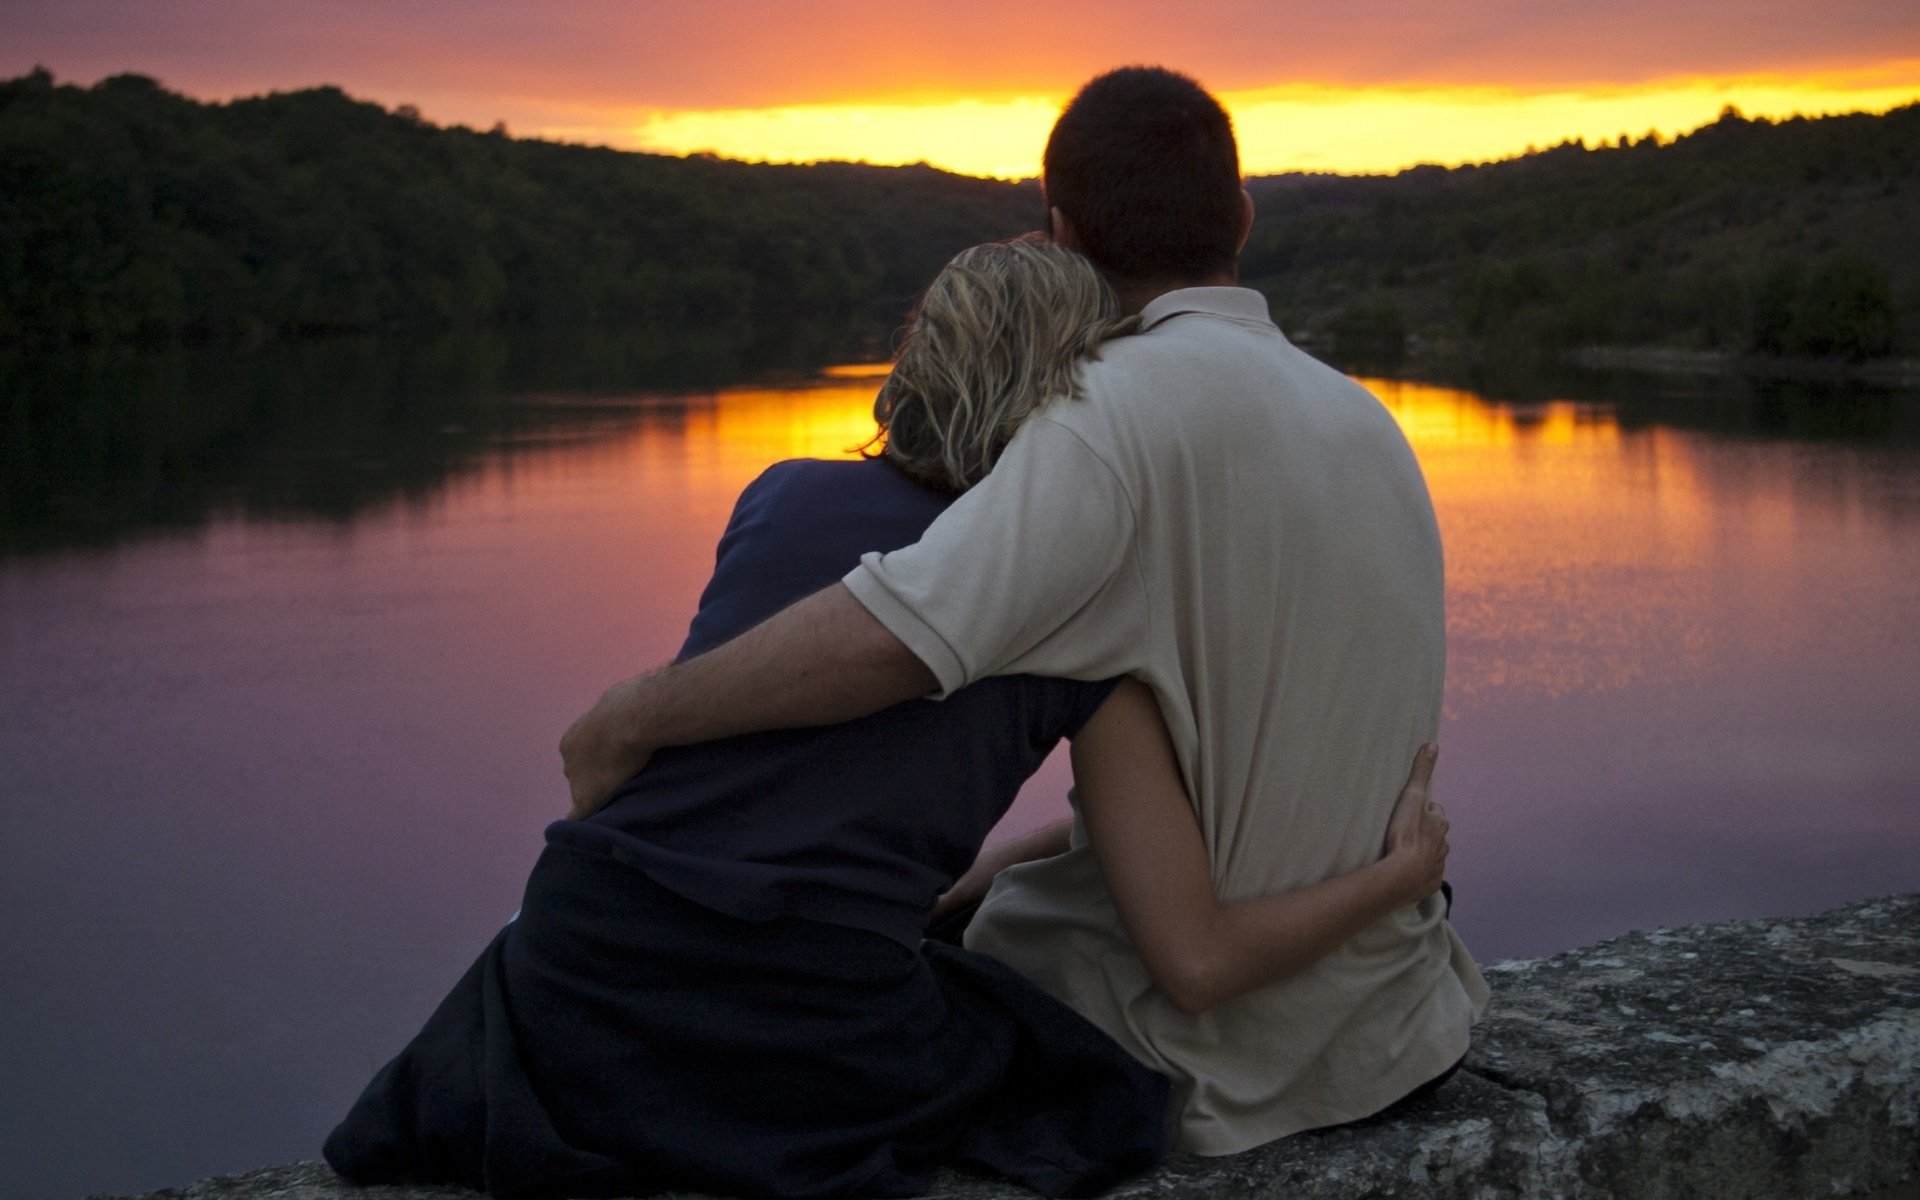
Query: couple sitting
point(1140, 520)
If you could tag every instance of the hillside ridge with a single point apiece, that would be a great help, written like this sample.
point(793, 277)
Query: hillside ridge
point(129, 213)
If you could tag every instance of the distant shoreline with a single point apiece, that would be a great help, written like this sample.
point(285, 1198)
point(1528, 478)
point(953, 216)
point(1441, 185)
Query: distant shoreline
point(1422, 353)
point(1668, 360)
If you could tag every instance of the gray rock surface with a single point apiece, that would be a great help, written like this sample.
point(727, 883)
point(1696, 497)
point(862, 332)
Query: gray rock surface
point(1748, 1059)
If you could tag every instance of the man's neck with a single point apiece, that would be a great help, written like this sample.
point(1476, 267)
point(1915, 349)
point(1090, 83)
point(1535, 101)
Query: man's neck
point(1134, 297)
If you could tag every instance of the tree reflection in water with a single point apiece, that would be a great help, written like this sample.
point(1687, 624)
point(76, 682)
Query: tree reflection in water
point(103, 446)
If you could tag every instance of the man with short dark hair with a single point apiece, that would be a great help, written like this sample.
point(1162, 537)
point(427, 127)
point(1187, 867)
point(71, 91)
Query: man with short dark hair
point(1238, 526)
point(1144, 166)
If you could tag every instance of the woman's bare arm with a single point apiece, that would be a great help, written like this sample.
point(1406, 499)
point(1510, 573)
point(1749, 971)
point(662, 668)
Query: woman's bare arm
point(1044, 842)
point(1148, 842)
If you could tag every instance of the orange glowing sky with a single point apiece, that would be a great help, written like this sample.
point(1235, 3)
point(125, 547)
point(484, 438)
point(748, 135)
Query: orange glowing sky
point(1367, 85)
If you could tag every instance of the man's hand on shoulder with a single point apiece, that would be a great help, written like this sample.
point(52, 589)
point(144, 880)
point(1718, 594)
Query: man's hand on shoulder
point(600, 751)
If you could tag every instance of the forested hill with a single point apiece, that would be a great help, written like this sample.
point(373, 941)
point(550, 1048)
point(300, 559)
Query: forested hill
point(1800, 237)
point(128, 213)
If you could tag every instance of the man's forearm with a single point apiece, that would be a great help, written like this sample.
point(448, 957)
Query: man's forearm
point(823, 660)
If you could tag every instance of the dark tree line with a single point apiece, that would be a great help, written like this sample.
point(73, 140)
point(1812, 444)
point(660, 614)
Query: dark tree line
point(128, 213)
point(1800, 237)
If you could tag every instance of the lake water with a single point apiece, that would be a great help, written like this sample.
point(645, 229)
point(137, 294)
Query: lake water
point(287, 640)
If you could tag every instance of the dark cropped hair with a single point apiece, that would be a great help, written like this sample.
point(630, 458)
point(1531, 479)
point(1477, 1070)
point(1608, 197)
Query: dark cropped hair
point(1143, 163)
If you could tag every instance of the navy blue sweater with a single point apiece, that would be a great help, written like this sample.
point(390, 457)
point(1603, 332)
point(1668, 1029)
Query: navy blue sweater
point(862, 824)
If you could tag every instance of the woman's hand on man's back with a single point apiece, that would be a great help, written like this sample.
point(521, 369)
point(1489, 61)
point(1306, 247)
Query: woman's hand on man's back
point(1417, 831)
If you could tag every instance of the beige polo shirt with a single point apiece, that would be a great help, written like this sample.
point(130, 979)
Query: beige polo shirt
point(1245, 530)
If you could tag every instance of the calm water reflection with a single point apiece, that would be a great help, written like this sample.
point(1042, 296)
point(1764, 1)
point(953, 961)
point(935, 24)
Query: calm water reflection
point(283, 678)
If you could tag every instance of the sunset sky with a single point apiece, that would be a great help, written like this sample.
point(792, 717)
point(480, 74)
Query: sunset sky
point(1368, 85)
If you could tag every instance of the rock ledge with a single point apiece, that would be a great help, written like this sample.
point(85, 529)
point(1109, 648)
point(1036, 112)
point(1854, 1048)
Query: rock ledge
point(1748, 1059)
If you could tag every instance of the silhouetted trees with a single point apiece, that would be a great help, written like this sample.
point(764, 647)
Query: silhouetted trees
point(130, 213)
point(1797, 237)
point(1838, 306)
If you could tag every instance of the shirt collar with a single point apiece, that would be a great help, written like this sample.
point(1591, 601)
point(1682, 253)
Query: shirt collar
point(1232, 303)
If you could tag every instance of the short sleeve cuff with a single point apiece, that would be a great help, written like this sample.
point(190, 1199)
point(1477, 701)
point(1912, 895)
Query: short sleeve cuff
point(901, 621)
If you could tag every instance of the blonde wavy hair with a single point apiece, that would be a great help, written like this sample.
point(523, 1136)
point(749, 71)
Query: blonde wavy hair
point(999, 334)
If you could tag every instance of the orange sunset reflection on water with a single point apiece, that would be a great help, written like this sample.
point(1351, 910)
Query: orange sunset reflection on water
point(1582, 556)
point(1557, 525)
point(698, 454)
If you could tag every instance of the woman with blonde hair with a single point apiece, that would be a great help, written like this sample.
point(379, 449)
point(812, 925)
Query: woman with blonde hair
point(719, 981)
